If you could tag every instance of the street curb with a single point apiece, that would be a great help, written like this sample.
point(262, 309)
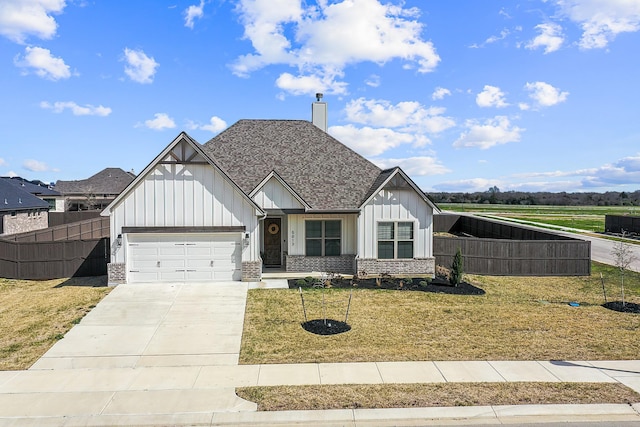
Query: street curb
point(462, 415)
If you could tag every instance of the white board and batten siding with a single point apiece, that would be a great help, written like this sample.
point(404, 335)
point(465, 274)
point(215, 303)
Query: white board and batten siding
point(186, 195)
point(396, 205)
point(296, 231)
point(274, 195)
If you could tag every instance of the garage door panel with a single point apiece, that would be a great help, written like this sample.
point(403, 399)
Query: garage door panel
point(184, 257)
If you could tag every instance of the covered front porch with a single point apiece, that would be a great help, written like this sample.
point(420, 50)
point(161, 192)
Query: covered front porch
point(302, 244)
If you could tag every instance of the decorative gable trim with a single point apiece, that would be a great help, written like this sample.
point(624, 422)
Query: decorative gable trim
point(397, 179)
point(274, 174)
point(182, 150)
point(184, 153)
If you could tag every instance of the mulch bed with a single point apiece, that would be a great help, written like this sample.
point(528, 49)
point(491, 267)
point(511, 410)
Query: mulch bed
point(628, 307)
point(326, 327)
point(436, 285)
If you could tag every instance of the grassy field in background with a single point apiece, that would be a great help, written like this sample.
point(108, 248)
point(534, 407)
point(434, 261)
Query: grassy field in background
point(590, 218)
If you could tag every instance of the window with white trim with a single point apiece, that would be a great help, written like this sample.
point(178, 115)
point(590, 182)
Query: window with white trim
point(323, 237)
point(395, 240)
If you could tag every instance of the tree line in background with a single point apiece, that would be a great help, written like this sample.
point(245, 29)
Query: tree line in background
point(495, 196)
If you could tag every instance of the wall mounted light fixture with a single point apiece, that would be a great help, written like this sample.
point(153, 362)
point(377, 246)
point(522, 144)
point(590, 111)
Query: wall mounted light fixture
point(119, 240)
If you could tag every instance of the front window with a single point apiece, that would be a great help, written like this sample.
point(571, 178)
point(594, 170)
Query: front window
point(322, 238)
point(52, 204)
point(395, 240)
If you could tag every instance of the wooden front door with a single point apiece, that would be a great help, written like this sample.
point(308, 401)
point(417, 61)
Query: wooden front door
point(272, 242)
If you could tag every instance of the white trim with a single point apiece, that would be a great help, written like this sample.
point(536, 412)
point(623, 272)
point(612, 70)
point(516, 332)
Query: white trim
point(183, 136)
point(274, 174)
point(395, 240)
point(398, 170)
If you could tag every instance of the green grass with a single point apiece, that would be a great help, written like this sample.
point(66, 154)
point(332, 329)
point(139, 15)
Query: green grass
point(541, 210)
point(590, 218)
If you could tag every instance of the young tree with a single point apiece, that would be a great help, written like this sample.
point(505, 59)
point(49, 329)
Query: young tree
point(623, 256)
point(456, 269)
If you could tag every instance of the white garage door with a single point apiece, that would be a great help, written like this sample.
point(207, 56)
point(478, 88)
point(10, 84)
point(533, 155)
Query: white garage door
point(192, 257)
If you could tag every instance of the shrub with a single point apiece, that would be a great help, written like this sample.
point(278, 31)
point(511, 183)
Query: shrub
point(456, 269)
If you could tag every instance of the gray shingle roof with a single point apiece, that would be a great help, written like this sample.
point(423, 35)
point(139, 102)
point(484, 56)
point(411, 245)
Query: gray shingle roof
point(35, 189)
point(324, 172)
point(14, 198)
point(108, 181)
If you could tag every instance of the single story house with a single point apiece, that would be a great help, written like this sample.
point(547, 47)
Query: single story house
point(263, 194)
point(95, 192)
point(20, 211)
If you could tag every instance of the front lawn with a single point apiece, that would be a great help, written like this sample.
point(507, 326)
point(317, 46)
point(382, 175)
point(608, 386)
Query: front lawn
point(519, 318)
point(34, 315)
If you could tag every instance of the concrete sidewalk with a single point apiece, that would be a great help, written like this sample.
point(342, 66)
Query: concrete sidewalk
point(168, 355)
point(204, 395)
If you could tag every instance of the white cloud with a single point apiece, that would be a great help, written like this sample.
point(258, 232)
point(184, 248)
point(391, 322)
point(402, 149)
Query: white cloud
point(468, 185)
point(492, 132)
point(373, 80)
point(321, 41)
point(21, 18)
point(524, 106)
point(491, 96)
point(3, 162)
point(35, 165)
point(192, 13)
point(215, 125)
point(161, 121)
point(408, 116)
point(621, 172)
point(440, 93)
point(369, 141)
point(43, 64)
point(601, 20)
point(77, 110)
point(545, 95)
point(503, 35)
point(492, 39)
point(415, 166)
point(310, 84)
point(11, 174)
point(550, 38)
point(139, 67)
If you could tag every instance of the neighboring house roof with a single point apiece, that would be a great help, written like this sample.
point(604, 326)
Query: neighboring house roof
point(325, 173)
point(14, 198)
point(31, 187)
point(107, 181)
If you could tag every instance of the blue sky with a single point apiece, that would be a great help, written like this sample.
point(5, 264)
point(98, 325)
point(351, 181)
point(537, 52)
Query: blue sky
point(532, 95)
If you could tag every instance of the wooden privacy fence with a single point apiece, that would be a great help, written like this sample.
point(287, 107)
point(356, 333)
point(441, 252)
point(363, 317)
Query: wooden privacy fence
point(59, 218)
point(540, 254)
point(52, 260)
point(95, 228)
point(76, 249)
point(619, 223)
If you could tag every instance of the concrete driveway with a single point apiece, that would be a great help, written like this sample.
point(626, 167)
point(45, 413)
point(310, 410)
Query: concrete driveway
point(145, 349)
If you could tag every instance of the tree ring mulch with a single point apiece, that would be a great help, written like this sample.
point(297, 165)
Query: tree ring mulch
point(328, 327)
point(629, 307)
